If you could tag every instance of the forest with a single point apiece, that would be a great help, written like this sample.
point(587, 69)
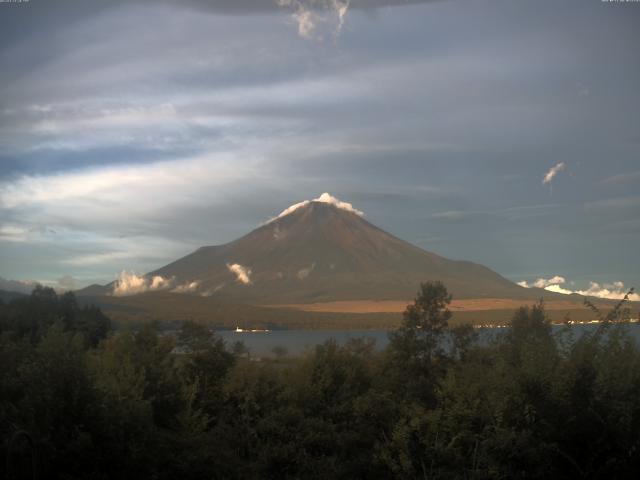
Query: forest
point(81, 400)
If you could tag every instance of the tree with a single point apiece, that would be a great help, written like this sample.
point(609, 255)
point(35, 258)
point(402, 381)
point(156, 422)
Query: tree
point(415, 367)
point(30, 317)
point(416, 351)
point(425, 321)
point(239, 349)
point(279, 351)
point(462, 338)
point(529, 323)
point(206, 363)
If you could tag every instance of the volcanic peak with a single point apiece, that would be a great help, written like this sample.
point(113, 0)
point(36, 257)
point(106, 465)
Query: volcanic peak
point(324, 198)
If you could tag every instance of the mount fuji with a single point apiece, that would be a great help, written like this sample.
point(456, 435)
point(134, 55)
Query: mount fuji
point(320, 250)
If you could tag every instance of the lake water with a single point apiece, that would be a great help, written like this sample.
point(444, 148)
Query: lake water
point(296, 342)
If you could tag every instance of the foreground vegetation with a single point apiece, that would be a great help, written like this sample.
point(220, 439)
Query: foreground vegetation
point(78, 400)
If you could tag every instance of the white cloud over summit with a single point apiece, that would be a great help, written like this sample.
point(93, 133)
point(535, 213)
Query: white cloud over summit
point(324, 198)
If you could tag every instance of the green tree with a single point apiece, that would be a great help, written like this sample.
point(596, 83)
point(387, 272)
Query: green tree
point(206, 363)
point(279, 351)
point(463, 337)
point(416, 353)
point(239, 349)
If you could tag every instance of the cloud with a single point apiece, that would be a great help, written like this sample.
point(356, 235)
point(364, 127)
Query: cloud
point(292, 209)
point(19, 286)
point(98, 258)
point(341, 8)
point(93, 208)
point(450, 215)
point(553, 171)
point(631, 177)
point(213, 290)
point(224, 83)
point(13, 233)
point(60, 285)
point(67, 282)
point(221, 7)
point(613, 291)
point(629, 204)
point(551, 284)
point(511, 213)
point(257, 6)
point(114, 184)
point(308, 19)
point(331, 200)
point(324, 198)
point(243, 274)
point(559, 289)
point(128, 283)
point(187, 287)
point(544, 283)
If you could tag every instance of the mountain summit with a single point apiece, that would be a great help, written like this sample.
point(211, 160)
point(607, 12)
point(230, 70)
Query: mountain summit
point(316, 251)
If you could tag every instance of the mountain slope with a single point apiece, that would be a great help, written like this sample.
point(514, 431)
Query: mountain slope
point(7, 296)
point(320, 252)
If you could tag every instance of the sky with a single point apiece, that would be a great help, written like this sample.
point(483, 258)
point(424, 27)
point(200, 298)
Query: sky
point(502, 132)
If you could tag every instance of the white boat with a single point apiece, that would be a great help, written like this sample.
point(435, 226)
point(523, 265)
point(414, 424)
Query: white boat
point(255, 330)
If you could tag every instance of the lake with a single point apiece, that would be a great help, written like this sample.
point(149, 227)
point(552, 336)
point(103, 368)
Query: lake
point(296, 342)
